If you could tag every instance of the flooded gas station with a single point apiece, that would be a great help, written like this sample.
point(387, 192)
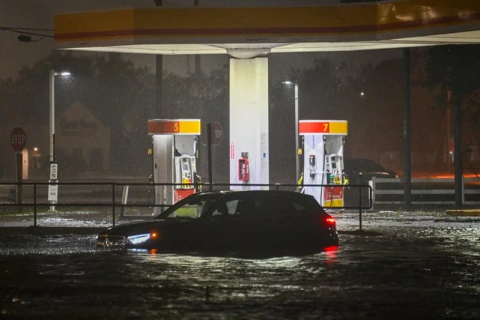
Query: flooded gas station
point(406, 265)
point(401, 265)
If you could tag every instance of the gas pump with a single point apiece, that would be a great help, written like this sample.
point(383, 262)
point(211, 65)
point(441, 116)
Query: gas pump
point(185, 170)
point(174, 158)
point(334, 168)
point(324, 142)
point(312, 168)
point(333, 196)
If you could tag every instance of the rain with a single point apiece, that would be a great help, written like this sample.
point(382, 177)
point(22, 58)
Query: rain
point(395, 260)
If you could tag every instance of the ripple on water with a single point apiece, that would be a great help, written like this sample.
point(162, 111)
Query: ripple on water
point(409, 272)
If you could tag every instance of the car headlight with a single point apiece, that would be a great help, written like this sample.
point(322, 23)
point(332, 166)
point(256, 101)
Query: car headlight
point(139, 238)
point(105, 240)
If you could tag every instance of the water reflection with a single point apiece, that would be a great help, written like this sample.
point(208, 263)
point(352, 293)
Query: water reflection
point(330, 252)
point(407, 273)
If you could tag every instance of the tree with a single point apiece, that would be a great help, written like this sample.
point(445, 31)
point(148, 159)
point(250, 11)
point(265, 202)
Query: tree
point(204, 97)
point(112, 88)
point(376, 112)
point(452, 72)
point(454, 69)
point(121, 96)
point(371, 101)
point(320, 92)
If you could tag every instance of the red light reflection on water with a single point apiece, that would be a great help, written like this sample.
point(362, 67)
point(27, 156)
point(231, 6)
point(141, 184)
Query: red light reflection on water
point(443, 176)
point(331, 253)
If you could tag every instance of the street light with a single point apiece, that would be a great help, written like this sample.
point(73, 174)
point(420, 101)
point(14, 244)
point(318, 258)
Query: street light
point(297, 160)
point(53, 188)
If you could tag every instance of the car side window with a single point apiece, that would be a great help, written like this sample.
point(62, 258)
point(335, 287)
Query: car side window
point(232, 206)
point(246, 206)
point(226, 208)
point(192, 210)
point(274, 206)
point(298, 207)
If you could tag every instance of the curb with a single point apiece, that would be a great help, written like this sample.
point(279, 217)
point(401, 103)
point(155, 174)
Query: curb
point(464, 213)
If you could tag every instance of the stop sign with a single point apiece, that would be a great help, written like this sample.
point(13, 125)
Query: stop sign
point(217, 134)
point(18, 139)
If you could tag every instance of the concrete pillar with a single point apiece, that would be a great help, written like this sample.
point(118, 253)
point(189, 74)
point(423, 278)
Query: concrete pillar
point(249, 118)
point(162, 169)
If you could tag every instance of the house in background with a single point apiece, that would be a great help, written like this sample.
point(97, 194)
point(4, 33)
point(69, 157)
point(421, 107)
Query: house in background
point(82, 148)
point(82, 144)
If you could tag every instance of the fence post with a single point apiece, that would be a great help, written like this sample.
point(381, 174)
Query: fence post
point(209, 156)
point(124, 200)
point(372, 183)
point(360, 207)
point(34, 204)
point(113, 204)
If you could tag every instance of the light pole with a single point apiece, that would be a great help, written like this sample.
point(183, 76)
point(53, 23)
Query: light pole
point(53, 188)
point(297, 160)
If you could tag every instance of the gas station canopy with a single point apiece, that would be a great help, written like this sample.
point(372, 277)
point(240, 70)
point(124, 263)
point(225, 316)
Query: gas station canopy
point(251, 32)
point(246, 33)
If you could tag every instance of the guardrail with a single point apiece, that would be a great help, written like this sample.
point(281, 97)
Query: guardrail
point(437, 191)
point(113, 195)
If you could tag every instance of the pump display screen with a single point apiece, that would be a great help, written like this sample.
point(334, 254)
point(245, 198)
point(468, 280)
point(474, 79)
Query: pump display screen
point(185, 167)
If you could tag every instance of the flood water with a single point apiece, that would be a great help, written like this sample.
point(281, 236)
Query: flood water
point(412, 271)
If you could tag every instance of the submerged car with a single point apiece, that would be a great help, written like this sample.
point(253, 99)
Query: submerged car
point(360, 171)
point(232, 221)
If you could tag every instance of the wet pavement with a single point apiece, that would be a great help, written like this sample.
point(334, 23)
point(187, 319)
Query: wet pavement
point(423, 265)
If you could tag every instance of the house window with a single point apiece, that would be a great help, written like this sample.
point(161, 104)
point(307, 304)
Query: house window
point(78, 160)
point(96, 159)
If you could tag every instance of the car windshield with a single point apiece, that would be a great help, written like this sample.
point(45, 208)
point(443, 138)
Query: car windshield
point(191, 207)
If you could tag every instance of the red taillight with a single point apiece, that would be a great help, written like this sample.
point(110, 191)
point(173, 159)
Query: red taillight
point(329, 220)
point(331, 249)
point(154, 235)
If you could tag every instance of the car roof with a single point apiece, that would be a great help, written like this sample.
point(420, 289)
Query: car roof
point(358, 160)
point(256, 192)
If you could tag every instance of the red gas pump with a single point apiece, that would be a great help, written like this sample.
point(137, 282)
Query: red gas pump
point(243, 168)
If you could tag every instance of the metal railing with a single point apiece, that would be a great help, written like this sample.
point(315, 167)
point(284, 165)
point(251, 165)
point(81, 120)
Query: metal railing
point(114, 195)
point(436, 191)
